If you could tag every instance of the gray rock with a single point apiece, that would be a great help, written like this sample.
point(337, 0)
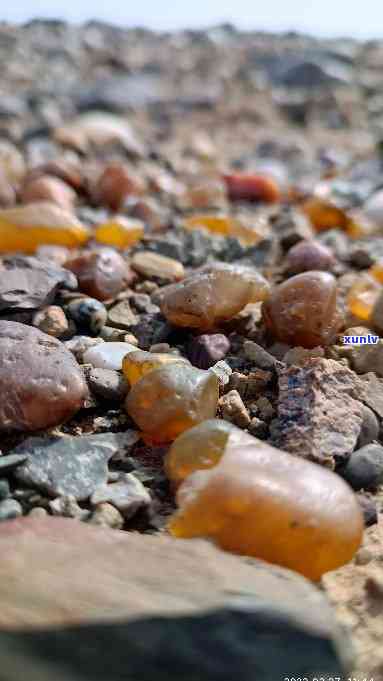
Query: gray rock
point(5, 490)
point(121, 316)
point(259, 355)
point(9, 509)
point(74, 466)
point(179, 608)
point(78, 345)
point(7, 463)
point(27, 283)
point(364, 468)
point(67, 507)
point(128, 495)
point(369, 430)
point(88, 313)
point(108, 384)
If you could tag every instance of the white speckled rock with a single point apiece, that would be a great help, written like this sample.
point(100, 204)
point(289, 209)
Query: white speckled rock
point(108, 355)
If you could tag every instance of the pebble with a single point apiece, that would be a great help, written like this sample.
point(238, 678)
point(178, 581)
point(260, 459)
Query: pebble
point(364, 468)
point(369, 430)
point(106, 515)
point(38, 512)
point(101, 274)
point(11, 461)
point(40, 381)
point(108, 333)
point(258, 355)
point(156, 266)
point(9, 509)
point(48, 188)
point(51, 320)
point(309, 255)
point(120, 232)
point(69, 466)
point(223, 372)
point(114, 185)
point(68, 508)
point(108, 384)
point(206, 350)
point(5, 490)
point(234, 410)
point(369, 509)
point(121, 316)
point(108, 355)
point(78, 345)
point(88, 313)
point(128, 495)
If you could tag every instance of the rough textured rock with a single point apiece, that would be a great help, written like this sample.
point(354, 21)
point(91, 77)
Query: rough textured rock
point(69, 466)
point(128, 495)
point(180, 610)
point(108, 384)
point(364, 468)
point(206, 350)
point(234, 410)
point(41, 384)
point(317, 417)
point(27, 283)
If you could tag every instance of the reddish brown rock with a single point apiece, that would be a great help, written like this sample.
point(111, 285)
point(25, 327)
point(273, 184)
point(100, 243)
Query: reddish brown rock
point(41, 384)
point(309, 255)
point(46, 188)
point(318, 415)
point(101, 274)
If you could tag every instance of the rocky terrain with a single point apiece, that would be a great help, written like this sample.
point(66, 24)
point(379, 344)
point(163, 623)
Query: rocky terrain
point(190, 223)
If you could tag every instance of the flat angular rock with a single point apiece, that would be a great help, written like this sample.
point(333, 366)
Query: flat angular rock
point(27, 283)
point(127, 494)
point(41, 384)
point(69, 466)
point(180, 606)
point(317, 417)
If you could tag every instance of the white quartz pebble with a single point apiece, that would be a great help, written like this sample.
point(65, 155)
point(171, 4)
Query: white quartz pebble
point(108, 355)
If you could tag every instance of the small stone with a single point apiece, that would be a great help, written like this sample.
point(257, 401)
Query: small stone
point(138, 364)
point(9, 509)
point(298, 356)
point(122, 316)
point(364, 468)
point(11, 461)
point(38, 512)
point(98, 129)
point(5, 490)
point(369, 430)
point(41, 383)
point(234, 410)
point(143, 303)
point(128, 495)
point(48, 188)
point(106, 515)
point(309, 255)
point(88, 313)
point(265, 408)
point(206, 350)
point(319, 418)
point(258, 355)
point(101, 274)
point(110, 334)
point(369, 509)
point(119, 231)
point(69, 466)
point(252, 187)
point(51, 320)
point(78, 345)
point(107, 384)
point(167, 401)
point(108, 355)
point(156, 266)
point(223, 372)
point(291, 227)
point(68, 508)
point(364, 556)
point(258, 428)
point(114, 185)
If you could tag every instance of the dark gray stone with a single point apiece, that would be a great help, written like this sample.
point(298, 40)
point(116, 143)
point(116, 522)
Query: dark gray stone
point(27, 283)
point(7, 463)
point(364, 468)
point(69, 466)
point(88, 313)
point(206, 350)
point(10, 509)
point(108, 384)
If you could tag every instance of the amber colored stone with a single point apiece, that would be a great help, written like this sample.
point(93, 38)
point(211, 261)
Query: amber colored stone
point(167, 401)
point(115, 184)
point(101, 274)
point(303, 310)
point(198, 448)
point(120, 232)
point(41, 384)
point(213, 294)
point(137, 364)
point(376, 271)
point(25, 228)
point(252, 187)
point(46, 188)
point(324, 214)
point(226, 226)
point(262, 502)
point(157, 266)
point(363, 295)
point(309, 255)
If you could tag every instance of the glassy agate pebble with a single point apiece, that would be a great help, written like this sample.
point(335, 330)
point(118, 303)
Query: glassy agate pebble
point(137, 364)
point(303, 310)
point(262, 502)
point(213, 294)
point(101, 274)
point(167, 401)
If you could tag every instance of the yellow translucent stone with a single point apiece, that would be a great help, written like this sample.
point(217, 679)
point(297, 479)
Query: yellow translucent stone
point(262, 502)
point(376, 271)
point(359, 225)
point(120, 232)
point(226, 226)
point(363, 295)
point(25, 228)
point(167, 401)
point(324, 214)
point(138, 364)
point(198, 448)
point(213, 294)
